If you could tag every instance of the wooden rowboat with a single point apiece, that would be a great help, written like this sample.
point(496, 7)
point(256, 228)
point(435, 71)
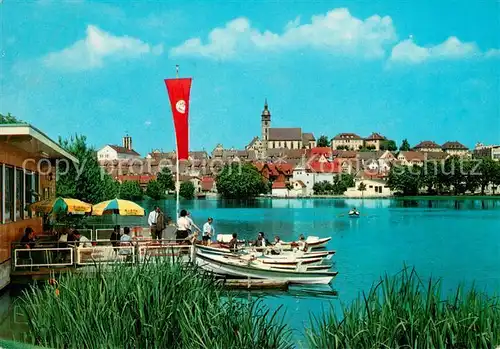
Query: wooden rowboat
point(221, 265)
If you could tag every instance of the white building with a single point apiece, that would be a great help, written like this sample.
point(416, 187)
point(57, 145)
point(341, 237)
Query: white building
point(116, 152)
point(372, 188)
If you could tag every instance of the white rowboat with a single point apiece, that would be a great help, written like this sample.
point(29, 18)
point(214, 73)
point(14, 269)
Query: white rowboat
point(237, 268)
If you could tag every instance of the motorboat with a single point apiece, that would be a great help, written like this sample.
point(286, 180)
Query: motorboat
point(221, 265)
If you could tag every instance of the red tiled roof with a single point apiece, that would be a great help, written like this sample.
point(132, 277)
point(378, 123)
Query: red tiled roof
point(413, 155)
point(454, 146)
point(279, 185)
point(324, 167)
point(327, 151)
point(136, 178)
point(346, 136)
point(123, 150)
point(427, 144)
point(375, 137)
point(207, 183)
point(345, 154)
point(285, 134)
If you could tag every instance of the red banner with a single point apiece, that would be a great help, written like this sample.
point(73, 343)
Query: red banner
point(178, 92)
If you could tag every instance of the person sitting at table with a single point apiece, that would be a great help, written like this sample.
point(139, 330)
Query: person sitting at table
point(28, 239)
point(83, 241)
point(115, 236)
point(126, 240)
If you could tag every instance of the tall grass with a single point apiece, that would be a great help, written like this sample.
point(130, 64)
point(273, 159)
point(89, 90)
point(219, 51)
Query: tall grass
point(152, 305)
point(404, 312)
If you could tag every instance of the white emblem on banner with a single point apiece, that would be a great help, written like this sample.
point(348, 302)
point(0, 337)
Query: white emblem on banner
point(181, 106)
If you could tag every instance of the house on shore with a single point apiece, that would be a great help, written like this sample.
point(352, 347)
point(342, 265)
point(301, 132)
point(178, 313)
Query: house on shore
point(112, 152)
point(27, 174)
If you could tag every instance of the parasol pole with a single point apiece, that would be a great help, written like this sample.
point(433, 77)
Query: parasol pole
point(177, 184)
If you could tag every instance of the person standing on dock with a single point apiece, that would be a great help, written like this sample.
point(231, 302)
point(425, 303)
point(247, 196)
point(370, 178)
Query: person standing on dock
point(152, 222)
point(208, 231)
point(184, 226)
point(160, 224)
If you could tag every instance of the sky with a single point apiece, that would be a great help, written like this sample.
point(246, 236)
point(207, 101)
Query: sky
point(421, 70)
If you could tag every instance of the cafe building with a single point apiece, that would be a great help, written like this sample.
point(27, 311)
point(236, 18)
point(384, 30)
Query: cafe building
point(27, 174)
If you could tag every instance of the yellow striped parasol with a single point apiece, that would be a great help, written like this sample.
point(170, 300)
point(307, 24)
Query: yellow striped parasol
point(61, 205)
point(117, 206)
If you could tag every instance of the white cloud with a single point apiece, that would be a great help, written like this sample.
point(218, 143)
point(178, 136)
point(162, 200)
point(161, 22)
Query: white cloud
point(407, 51)
point(97, 47)
point(336, 32)
point(147, 123)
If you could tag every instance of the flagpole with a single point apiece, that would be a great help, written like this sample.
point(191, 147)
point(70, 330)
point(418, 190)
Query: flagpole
point(177, 184)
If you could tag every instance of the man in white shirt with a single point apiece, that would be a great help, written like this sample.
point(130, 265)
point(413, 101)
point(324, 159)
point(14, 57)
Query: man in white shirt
point(208, 231)
point(152, 220)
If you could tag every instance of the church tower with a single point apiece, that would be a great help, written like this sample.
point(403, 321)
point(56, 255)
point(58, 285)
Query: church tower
point(266, 124)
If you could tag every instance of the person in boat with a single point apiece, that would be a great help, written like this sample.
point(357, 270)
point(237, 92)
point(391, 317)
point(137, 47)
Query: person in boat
point(277, 247)
point(353, 212)
point(233, 244)
point(302, 244)
point(261, 240)
point(208, 231)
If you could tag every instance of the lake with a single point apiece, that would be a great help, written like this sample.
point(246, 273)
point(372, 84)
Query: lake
point(458, 241)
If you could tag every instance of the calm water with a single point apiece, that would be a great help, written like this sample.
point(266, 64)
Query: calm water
point(456, 241)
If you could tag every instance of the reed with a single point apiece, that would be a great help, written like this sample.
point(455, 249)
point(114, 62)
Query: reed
point(151, 305)
point(404, 312)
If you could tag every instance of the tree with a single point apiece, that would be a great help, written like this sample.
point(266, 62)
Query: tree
point(362, 188)
point(187, 190)
point(131, 190)
point(166, 180)
point(10, 119)
point(240, 181)
point(404, 180)
point(155, 190)
point(487, 170)
point(389, 145)
point(405, 145)
point(86, 180)
point(323, 141)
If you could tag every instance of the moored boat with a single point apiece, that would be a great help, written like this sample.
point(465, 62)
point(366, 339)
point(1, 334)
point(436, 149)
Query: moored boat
point(238, 268)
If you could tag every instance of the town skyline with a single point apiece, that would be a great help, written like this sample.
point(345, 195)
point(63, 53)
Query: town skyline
point(327, 68)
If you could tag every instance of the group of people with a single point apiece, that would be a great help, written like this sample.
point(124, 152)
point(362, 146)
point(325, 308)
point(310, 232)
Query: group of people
point(273, 248)
point(188, 230)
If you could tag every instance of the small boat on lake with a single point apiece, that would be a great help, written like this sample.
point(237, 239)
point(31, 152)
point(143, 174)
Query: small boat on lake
point(221, 265)
point(284, 255)
point(313, 242)
point(353, 213)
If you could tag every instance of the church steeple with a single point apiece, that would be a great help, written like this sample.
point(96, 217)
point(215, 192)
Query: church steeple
point(266, 125)
point(266, 114)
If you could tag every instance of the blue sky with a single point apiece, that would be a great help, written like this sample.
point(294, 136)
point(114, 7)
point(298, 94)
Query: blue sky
point(426, 70)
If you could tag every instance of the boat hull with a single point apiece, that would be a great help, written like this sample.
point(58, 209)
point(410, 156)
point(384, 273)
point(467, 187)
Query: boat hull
point(218, 265)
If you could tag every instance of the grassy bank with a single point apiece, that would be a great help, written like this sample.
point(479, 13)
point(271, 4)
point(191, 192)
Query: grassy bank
point(404, 312)
point(173, 306)
point(160, 305)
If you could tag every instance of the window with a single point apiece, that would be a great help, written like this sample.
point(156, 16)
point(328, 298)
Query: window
point(19, 194)
point(29, 180)
point(9, 194)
